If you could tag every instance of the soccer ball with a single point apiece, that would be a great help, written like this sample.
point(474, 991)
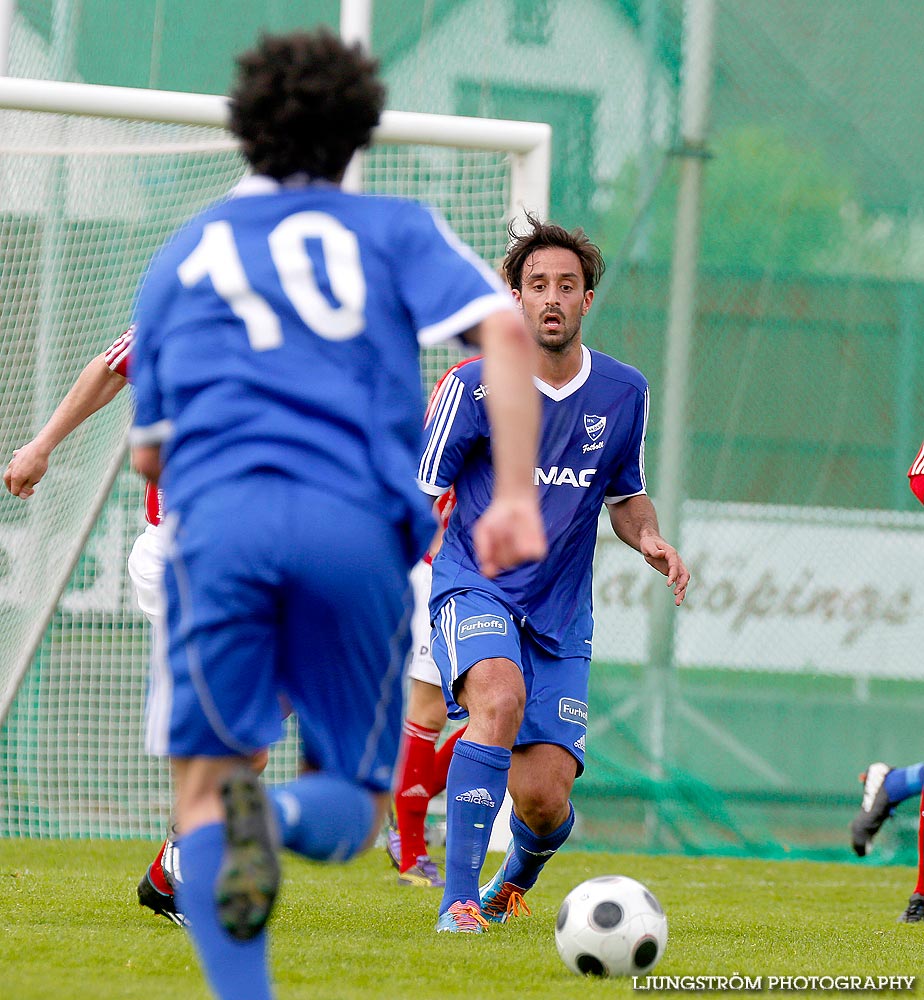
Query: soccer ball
point(611, 926)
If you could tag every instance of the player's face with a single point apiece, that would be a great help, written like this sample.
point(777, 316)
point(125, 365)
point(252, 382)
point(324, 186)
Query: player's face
point(553, 298)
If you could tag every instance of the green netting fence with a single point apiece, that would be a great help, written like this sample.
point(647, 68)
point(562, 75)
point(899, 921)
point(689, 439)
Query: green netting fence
point(797, 659)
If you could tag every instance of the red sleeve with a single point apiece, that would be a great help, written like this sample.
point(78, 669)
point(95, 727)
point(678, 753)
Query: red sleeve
point(439, 383)
point(916, 475)
point(917, 486)
point(118, 352)
point(153, 504)
point(445, 505)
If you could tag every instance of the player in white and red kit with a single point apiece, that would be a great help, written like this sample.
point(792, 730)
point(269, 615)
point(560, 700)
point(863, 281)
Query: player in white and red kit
point(146, 561)
point(421, 771)
point(98, 384)
point(884, 787)
point(422, 768)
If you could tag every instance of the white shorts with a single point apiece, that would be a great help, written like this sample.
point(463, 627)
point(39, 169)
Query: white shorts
point(420, 664)
point(146, 569)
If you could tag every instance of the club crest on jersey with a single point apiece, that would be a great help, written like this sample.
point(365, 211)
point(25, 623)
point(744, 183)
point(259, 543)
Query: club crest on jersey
point(594, 425)
point(481, 625)
point(572, 710)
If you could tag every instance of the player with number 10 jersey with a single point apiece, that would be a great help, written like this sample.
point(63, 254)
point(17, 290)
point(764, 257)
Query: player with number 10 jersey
point(279, 401)
point(371, 278)
point(309, 279)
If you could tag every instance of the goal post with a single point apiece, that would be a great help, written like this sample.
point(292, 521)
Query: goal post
point(527, 143)
point(92, 180)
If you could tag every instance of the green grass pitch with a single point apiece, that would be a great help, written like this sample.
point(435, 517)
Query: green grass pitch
point(72, 929)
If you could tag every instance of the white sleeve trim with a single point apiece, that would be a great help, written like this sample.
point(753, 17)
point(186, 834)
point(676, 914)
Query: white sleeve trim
point(152, 434)
point(119, 349)
point(917, 466)
point(612, 501)
point(439, 427)
point(431, 489)
point(467, 317)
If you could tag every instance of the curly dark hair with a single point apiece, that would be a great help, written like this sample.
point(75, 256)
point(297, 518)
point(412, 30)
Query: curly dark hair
point(304, 102)
point(547, 234)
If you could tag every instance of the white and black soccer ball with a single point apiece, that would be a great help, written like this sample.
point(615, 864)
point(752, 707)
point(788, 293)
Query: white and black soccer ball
point(611, 926)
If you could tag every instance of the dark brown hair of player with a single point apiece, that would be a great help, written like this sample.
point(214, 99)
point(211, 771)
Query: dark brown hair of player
point(547, 234)
point(303, 103)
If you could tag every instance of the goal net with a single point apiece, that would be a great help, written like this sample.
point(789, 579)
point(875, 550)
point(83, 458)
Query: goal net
point(92, 180)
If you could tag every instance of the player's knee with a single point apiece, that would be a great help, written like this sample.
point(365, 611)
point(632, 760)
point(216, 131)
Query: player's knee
point(360, 835)
point(505, 708)
point(326, 817)
point(542, 809)
point(426, 705)
point(503, 701)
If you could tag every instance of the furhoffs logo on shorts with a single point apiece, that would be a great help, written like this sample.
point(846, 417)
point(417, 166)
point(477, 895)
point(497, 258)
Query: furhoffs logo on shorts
point(572, 710)
point(481, 625)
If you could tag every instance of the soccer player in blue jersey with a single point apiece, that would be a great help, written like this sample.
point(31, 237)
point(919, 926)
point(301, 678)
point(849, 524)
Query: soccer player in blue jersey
point(278, 400)
point(514, 651)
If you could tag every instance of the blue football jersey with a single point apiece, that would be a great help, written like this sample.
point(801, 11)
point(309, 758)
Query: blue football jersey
point(279, 331)
point(591, 451)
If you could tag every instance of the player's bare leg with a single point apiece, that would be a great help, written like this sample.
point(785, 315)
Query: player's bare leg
point(541, 778)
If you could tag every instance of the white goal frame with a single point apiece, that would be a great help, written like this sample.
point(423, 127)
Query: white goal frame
point(528, 145)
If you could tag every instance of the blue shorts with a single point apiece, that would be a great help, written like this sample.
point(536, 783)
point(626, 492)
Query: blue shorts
point(473, 626)
point(273, 588)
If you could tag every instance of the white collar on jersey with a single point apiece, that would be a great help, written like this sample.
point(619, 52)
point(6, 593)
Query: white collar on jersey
point(569, 388)
point(252, 184)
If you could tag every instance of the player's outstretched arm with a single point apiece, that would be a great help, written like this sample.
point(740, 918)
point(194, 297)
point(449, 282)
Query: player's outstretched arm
point(96, 386)
point(510, 531)
point(636, 523)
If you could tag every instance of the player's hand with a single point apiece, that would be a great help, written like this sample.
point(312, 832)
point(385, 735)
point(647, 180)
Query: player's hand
point(27, 466)
point(146, 460)
point(666, 559)
point(508, 533)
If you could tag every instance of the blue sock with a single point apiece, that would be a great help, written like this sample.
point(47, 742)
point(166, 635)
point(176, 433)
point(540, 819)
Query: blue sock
point(236, 970)
point(903, 782)
point(323, 817)
point(531, 852)
point(475, 789)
